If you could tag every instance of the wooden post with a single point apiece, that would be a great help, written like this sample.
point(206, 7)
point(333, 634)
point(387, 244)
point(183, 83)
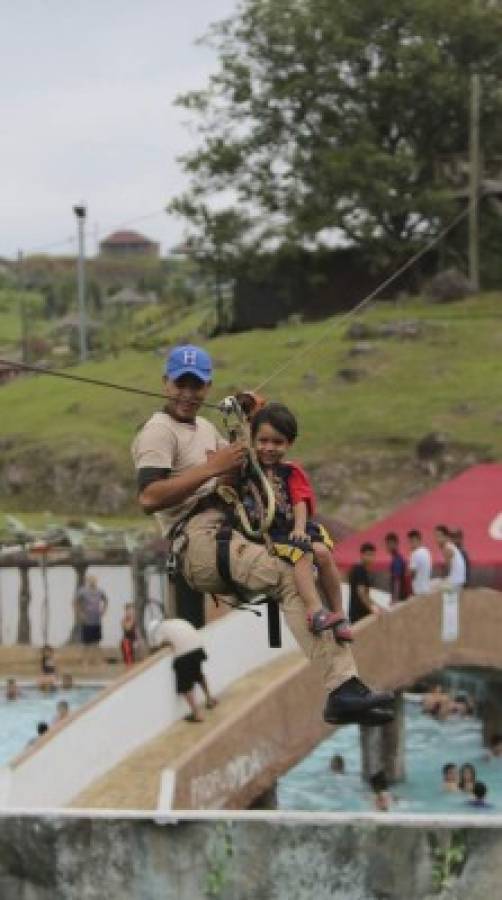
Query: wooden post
point(23, 625)
point(383, 749)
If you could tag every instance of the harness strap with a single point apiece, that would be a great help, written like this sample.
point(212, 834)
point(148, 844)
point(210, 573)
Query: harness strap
point(223, 538)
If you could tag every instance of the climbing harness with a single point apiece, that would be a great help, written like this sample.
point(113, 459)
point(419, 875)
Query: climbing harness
point(237, 426)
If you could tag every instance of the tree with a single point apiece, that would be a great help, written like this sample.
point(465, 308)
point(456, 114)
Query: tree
point(332, 117)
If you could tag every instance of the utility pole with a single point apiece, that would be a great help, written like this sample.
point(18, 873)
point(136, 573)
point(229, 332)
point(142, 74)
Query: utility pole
point(25, 347)
point(81, 212)
point(474, 182)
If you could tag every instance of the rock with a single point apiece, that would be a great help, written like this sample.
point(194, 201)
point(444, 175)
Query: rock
point(310, 379)
point(361, 348)
point(406, 329)
point(350, 375)
point(449, 285)
point(359, 331)
point(463, 409)
point(431, 446)
point(111, 498)
point(15, 478)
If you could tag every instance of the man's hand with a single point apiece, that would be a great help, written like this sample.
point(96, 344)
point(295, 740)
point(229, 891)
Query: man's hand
point(376, 609)
point(228, 459)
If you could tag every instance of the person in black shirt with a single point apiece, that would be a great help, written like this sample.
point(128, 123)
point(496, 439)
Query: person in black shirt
point(399, 582)
point(360, 602)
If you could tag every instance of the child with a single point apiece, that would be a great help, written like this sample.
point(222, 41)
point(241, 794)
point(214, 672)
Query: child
point(295, 535)
point(382, 797)
point(48, 674)
point(130, 634)
point(62, 712)
point(188, 656)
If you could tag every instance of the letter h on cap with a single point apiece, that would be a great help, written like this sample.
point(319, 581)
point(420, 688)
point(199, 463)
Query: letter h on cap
point(190, 358)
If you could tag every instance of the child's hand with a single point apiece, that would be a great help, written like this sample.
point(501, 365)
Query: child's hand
point(298, 534)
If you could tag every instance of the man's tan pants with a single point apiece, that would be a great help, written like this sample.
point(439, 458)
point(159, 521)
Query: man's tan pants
point(253, 568)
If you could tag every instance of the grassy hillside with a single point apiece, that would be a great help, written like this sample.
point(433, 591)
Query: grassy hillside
point(445, 379)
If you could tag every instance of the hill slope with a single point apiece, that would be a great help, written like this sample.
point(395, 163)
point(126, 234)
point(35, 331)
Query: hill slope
point(362, 405)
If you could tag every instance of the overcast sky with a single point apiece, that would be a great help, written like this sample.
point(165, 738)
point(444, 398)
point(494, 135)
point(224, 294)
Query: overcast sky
point(86, 114)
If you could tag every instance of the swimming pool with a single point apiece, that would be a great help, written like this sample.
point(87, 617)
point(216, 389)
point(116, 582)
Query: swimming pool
point(429, 745)
point(19, 718)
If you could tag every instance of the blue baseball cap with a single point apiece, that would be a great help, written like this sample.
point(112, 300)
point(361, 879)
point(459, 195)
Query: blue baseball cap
point(189, 360)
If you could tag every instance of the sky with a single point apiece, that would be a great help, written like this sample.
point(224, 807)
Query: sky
point(87, 115)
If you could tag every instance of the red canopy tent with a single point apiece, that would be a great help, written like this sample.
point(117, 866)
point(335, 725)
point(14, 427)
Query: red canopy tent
point(472, 501)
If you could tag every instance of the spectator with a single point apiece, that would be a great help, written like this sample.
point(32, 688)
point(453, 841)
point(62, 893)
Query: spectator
point(92, 604)
point(495, 746)
point(11, 689)
point(62, 711)
point(436, 701)
point(188, 655)
point(420, 565)
point(399, 583)
point(479, 801)
point(467, 778)
point(457, 537)
point(380, 788)
point(454, 562)
point(463, 705)
point(42, 728)
point(450, 778)
point(129, 640)
point(360, 582)
point(337, 764)
point(48, 669)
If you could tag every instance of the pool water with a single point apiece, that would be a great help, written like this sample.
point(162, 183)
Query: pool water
point(19, 718)
point(429, 745)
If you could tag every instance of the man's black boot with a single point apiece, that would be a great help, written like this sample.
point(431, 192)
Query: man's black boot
point(353, 698)
point(373, 717)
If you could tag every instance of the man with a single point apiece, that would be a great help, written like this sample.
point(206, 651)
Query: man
point(398, 580)
point(454, 562)
point(360, 582)
point(450, 778)
point(479, 801)
point(92, 604)
point(180, 458)
point(420, 564)
point(188, 656)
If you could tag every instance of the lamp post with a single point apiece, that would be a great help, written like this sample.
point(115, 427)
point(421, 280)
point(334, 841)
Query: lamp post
point(81, 212)
point(474, 182)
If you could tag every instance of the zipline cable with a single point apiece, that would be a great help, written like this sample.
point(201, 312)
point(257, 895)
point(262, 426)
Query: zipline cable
point(40, 370)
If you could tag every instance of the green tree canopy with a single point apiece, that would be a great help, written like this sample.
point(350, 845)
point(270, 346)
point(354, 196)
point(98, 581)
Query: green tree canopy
point(336, 114)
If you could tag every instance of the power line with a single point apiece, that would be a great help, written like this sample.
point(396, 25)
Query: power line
point(367, 300)
point(97, 234)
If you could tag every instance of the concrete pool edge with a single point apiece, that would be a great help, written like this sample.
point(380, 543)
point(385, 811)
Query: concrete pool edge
point(241, 855)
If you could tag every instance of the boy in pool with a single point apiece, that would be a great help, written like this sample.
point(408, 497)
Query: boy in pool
point(295, 535)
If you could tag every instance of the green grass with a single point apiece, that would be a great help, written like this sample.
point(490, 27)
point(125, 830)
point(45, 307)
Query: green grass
point(410, 386)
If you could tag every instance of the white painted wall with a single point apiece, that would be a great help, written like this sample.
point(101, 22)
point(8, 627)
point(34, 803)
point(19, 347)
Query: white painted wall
point(130, 714)
point(116, 581)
